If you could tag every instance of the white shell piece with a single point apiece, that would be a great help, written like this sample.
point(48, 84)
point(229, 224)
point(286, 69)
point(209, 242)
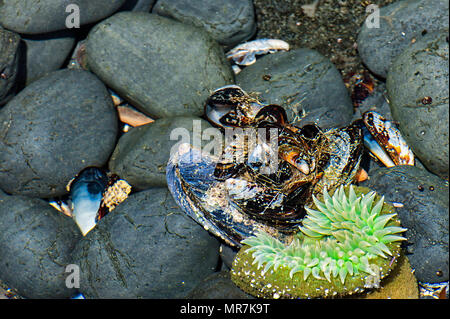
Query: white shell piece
point(245, 53)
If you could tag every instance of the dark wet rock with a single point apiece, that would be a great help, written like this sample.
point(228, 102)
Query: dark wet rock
point(227, 254)
point(401, 23)
point(44, 54)
point(304, 82)
point(161, 66)
point(425, 214)
point(9, 63)
point(42, 16)
point(141, 155)
point(145, 248)
point(52, 129)
point(37, 242)
point(376, 101)
point(229, 22)
point(137, 5)
point(418, 89)
point(218, 286)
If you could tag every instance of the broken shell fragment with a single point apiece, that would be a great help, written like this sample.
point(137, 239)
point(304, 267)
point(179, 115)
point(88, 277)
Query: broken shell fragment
point(132, 117)
point(245, 53)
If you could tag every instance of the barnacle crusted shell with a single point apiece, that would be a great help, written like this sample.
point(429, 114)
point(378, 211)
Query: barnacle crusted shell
point(347, 243)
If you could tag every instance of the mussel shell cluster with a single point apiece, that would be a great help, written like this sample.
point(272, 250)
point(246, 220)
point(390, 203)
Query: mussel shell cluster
point(234, 195)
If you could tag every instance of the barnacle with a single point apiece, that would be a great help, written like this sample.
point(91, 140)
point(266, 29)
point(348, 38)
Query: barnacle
point(346, 243)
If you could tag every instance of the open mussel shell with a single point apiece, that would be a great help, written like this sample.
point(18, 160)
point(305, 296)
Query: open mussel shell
point(344, 147)
point(230, 106)
point(385, 141)
point(222, 102)
point(86, 192)
point(372, 145)
point(191, 180)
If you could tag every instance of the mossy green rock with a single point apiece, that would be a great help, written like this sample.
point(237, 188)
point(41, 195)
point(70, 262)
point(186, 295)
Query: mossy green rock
point(161, 66)
point(280, 284)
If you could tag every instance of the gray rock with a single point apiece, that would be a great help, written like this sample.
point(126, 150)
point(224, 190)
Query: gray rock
point(137, 5)
point(424, 214)
point(52, 129)
point(45, 53)
point(229, 22)
point(218, 286)
point(141, 155)
point(418, 89)
point(37, 242)
point(42, 16)
point(400, 23)
point(9, 63)
point(305, 83)
point(161, 66)
point(227, 255)
point(145, 248)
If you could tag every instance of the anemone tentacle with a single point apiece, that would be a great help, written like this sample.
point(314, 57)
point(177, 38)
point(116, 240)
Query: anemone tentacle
point(343, 235)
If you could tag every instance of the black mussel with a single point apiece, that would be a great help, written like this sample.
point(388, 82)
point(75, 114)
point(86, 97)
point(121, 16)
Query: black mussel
point(343, 152)
point(207, 200)
point(230, 106)
point(264, 183)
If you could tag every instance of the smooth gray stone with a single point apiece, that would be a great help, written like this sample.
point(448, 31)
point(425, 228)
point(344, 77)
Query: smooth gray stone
point(137, 5)
point(145, 248)
point(305, 83)
point(218, 286)
point(37, 242)
point(9, 63)
point(141, 155)
point(400, 23)
point(42, 16)
point(425, 214)
point(229, 22)
point(160, 66)
point(421, 72)
point(45, 53)
point(52, 129)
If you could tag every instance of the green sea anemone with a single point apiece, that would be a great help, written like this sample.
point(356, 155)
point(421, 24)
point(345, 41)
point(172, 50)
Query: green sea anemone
point(349, 241)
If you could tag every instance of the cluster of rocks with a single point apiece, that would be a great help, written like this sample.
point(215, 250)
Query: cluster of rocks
point(165, 57)
point(410, 50)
